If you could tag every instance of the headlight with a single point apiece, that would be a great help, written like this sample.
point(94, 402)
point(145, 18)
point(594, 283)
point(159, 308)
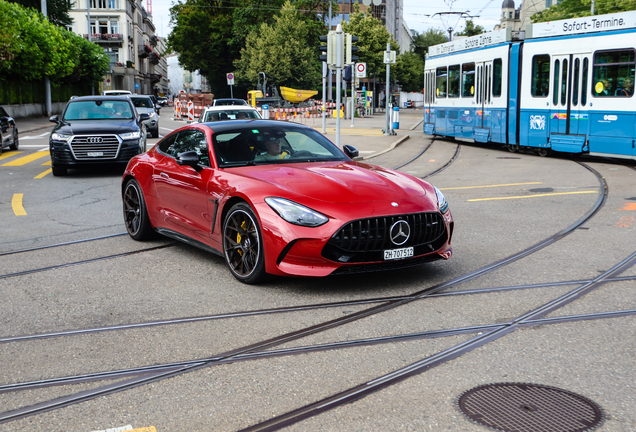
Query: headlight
point(153, 114)
point(295, 213)
point(60, 137)
point(442, 204)
point(130, 135)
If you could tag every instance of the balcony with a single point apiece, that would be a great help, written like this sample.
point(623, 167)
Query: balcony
point(143, 51)
point(154, 58)
point(155, 77)
point(153, 41)
point(106, 38)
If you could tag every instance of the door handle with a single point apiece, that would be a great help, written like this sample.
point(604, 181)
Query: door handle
point(164, 175)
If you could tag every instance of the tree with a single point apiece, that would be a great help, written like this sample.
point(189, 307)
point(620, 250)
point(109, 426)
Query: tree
point(282, 51)
point(56, 10)
point(582, 8)
point(372, 43)
point(409, 71)
point(422, 41)
point(471, 29)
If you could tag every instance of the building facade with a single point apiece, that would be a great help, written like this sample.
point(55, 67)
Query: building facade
point(519, 18)
point(126, 32)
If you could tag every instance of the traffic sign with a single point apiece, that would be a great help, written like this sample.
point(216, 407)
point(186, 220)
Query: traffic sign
point(361, 70)
point(230, 79)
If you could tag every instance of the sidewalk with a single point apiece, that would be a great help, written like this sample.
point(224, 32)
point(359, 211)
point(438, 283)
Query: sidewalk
point(33, 124)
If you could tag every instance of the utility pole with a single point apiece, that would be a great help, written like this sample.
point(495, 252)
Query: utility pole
point(47, 82)
point(592, 7)
point(389, 57)
point(90, 37)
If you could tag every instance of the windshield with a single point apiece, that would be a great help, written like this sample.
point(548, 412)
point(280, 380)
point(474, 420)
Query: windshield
point(218, 102)
point(141, 102)
point(273, 145)
point(231, 114)
point(98, 110)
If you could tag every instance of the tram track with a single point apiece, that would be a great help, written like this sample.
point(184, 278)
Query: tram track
point(148, 377)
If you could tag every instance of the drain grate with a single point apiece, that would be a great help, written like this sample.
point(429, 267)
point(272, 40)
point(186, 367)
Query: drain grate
point(516, 407)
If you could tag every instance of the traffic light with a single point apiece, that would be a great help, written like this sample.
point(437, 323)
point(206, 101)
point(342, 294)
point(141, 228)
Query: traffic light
point(351, 59)
point(329, 49)
point(348, 73)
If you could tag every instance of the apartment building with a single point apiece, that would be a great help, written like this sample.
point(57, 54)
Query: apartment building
point(126, 32)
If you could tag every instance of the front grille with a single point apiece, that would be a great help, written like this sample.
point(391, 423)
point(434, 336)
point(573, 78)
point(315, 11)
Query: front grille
point(108, 148)
point(365, 240)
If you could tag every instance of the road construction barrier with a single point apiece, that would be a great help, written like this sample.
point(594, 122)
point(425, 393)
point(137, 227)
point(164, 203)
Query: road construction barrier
point(190, 111)
point(177, 108)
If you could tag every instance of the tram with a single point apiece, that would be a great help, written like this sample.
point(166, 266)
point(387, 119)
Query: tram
point(564, 86)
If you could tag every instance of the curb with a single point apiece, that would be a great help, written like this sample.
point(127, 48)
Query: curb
point(391, 147)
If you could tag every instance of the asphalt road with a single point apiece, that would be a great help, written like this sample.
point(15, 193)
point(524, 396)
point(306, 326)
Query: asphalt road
point(503, 203)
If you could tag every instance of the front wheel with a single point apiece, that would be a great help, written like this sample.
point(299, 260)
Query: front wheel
point(16, 143)
point(243, 244)
point(135, 214)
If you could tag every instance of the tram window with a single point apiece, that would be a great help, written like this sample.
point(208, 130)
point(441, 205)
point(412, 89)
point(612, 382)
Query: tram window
point(575, 84)
point(586, 65)
point(564, 82)
point(468, 80)
point(555, 89)
point(496, 78)
point(441, 82)
point(613, 73)
point(540, 75)
point(453, 81)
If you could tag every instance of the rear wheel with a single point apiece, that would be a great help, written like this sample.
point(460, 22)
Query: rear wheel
point(135, 214)
point(58, 171)
point(243, 244)
point(16, 144)
point(512, 148)
point(543, 152)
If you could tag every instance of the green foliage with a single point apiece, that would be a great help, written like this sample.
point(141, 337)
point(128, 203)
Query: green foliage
point(422, 41)
point(281, 50)
point(372, 44)
point(32, 48)
point(582, 8)
point(471, 29)
point(409, 72)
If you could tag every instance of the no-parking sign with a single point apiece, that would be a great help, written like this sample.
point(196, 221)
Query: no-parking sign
point(361, 70)
point(230, 79)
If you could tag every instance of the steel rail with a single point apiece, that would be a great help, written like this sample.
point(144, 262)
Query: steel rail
point(92, 260)
point(60, 244)
point(305, 349)
point(241, 314)
point(440, 358)
point(427, 363)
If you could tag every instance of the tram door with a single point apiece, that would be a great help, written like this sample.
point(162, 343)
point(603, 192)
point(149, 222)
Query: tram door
point(483, 96)
point(569, 95)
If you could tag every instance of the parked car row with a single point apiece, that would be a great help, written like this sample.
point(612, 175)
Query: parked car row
point(8, 131)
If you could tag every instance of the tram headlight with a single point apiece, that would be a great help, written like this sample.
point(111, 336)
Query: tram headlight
point(442, 204)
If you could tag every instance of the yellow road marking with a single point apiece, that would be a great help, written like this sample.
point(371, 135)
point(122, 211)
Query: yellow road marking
point(8, 155)
point(629, 206)
point(144, 429)
point(16, 203)
point(47, 163)
point(39, 176)
point(534, 196)
point(26, 159)
point(491, 186)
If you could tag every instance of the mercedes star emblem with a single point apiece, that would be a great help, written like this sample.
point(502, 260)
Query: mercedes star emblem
point(400, 232)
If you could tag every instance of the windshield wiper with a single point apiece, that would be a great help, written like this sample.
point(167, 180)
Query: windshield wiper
point(237, 164)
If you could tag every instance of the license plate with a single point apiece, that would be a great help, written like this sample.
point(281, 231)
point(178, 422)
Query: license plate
point(95, 154)
point(394, 254)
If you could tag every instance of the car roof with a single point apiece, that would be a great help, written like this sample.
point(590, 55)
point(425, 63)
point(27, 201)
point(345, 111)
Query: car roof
point(224, 126)
point(102, 98)
point(230, 108)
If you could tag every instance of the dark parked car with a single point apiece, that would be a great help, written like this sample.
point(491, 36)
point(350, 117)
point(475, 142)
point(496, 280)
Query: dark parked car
point(96, 130)
point(144, 105)
point(8, 131)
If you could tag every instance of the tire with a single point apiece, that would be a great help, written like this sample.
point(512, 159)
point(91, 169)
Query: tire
point(243, 245)
point(512, 148)
point(59, 171)
point(136, 217)
point(155, 133)
point(543, 152)
point(16, 143)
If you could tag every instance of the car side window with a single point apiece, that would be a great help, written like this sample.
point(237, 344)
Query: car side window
point(165, 146)
point(192, 140)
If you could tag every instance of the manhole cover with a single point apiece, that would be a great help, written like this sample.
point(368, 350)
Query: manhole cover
point(515, 407)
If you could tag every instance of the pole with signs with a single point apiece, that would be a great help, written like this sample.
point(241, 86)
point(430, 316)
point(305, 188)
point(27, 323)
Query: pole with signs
point(230, 82)
point(389, 57)
point(325, 71)
point(339, 65)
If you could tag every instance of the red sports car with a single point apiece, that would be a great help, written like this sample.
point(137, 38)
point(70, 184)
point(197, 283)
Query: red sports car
point(280, 198)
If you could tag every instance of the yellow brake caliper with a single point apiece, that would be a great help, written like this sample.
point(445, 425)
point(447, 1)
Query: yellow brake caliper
point(238, 238)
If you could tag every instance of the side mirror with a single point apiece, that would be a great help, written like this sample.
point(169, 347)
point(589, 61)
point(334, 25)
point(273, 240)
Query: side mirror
point(143, 117)
point(350, 151)
point(54, 119)
point(189, 158)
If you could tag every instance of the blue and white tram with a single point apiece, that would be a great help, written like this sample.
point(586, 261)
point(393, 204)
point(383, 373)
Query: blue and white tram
point(567, 87)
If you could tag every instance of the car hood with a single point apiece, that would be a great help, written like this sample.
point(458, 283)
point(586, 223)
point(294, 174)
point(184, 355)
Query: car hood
point(93, 127)
point(338, 182)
